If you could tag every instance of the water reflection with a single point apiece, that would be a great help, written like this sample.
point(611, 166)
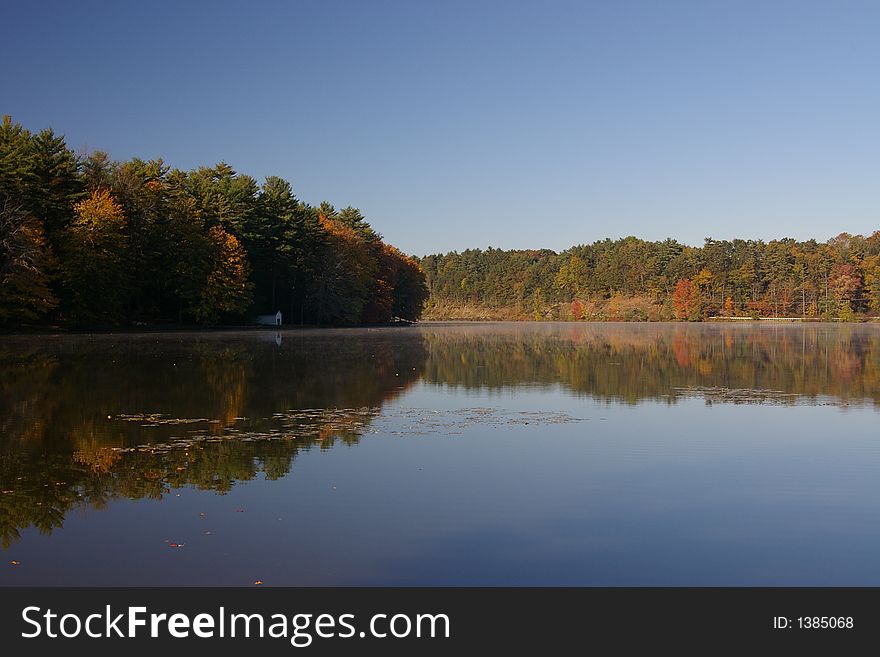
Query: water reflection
point(86, 420)
point(635, 362)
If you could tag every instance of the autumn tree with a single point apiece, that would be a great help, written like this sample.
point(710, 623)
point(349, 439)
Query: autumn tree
point(686, 301)
point(94, 261)
point(379, 305)
point(344, 273)
point(210, 271)
point(571, 277)
point(844, 281)
point(227, 289)
point(871, 266)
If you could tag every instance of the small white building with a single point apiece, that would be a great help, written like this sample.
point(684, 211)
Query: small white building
point(269, 320)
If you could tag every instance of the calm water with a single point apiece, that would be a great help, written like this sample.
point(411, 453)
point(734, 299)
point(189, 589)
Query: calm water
point(476, 454)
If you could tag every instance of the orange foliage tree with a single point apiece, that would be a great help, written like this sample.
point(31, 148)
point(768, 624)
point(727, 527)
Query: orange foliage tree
point(94, 261)
point(227, 288)
point(686, 301)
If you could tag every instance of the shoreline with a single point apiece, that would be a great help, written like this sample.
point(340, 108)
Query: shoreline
point(163, 330)
point(707, 320)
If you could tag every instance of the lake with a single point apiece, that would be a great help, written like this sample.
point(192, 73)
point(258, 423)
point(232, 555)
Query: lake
point(444, 454)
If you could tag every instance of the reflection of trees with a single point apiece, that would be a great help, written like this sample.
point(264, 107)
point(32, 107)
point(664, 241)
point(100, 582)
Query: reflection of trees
point(86, 420)
point(38, 490)
point(25, 395)
point(62, 389)
point(631, 363)
point(64, 444)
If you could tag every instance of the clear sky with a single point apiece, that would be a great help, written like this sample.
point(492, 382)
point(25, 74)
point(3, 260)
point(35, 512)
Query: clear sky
point(456, 124)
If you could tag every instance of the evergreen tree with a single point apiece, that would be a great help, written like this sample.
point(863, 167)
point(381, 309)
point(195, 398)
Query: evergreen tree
point(26, 266)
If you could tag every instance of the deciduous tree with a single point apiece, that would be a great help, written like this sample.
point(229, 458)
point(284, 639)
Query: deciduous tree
point(94, 267)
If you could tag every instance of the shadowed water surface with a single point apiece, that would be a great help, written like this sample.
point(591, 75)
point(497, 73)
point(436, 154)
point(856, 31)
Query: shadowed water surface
point(444, 454)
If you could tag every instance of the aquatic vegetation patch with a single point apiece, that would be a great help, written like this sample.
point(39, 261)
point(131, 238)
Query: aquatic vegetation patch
point(318, 424)
point(760, 396)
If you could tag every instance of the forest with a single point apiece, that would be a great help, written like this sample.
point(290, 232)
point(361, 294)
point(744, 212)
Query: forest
point(87, 242)
point(630, 279)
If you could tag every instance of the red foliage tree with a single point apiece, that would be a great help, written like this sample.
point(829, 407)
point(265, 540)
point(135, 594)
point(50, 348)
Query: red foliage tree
point(844, 282)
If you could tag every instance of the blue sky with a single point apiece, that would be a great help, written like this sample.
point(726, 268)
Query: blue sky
point(468, 124)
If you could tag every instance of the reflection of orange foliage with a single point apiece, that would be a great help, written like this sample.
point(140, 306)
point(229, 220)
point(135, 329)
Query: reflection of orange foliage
point(576, 335)
point(99, 459)
point(227, 377)
point(846, 366)
point(685, 350)
point(635, 362)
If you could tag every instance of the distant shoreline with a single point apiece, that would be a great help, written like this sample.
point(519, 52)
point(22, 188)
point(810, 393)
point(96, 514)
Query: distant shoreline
point(558, 312)
point(708, 320)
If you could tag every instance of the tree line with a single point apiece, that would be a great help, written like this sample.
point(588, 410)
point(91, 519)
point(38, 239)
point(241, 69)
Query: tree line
point(89, 242)
point(634, 279)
